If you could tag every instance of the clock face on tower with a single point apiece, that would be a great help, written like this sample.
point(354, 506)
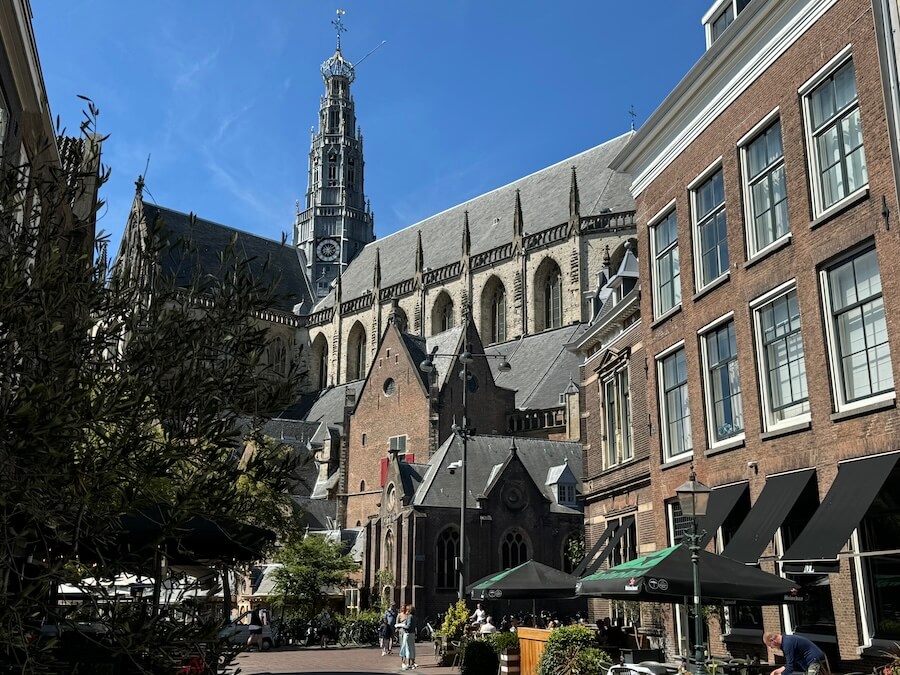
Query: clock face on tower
point(328, 250)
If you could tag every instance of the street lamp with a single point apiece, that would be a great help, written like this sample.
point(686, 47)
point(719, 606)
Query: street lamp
point(694, 498)
point(465, 358)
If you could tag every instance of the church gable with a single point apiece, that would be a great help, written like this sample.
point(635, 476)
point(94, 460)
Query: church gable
point(192, 247)
point(512, 488)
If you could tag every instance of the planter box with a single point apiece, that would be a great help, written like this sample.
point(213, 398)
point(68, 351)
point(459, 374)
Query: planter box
point(509, 662)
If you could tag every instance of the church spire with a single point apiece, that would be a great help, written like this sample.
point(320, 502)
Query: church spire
point(337, 221)
point(376, 275)
point(339, 27)
point(420, 255)
point(574, 201)
point(518, 223)
point(467, 238)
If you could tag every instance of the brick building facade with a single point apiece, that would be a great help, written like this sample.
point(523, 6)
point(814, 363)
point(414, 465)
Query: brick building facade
point(766, 205)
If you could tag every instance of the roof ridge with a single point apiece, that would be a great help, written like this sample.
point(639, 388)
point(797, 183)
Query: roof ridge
point(218, 224)
point(504, 186)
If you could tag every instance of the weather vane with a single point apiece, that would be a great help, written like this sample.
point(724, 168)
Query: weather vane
point(339, 26)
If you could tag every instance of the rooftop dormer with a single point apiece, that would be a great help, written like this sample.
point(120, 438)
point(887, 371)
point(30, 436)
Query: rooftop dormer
point(720, 16)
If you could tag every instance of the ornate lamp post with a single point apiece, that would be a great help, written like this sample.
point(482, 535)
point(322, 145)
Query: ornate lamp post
point(463, 432)
point(694, 498)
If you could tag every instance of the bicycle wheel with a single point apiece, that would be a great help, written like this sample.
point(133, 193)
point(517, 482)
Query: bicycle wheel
point(344, 635)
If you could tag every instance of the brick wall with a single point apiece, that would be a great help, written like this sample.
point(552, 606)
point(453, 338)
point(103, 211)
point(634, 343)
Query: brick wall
point(827, 440)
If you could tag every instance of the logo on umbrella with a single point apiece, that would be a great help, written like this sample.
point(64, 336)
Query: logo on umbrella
point(495, 593)
point(653, 584)
point(663, 585)
point(631, 585)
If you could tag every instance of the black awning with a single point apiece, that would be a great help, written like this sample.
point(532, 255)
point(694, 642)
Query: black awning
point(771, 508)
point(848, 499)
point(624, 524)
point(721, 501)
point(596, 547)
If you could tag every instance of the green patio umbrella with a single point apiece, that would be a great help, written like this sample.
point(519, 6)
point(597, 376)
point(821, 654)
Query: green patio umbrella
point(530, 580)
point(667, 576)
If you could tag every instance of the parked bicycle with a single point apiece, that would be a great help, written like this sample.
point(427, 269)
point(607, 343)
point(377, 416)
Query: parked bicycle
point(428, 629)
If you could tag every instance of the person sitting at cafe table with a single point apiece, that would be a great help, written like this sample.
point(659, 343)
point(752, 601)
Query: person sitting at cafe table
point(488, 627)
point(800, 654)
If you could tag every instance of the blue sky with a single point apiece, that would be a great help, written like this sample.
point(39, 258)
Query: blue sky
point(465, 96)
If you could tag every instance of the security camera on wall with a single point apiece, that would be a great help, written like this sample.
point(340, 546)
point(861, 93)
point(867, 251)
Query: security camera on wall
point(453, 466)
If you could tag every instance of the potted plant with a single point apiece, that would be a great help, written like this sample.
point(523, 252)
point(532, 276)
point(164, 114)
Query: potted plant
point(452, 629)
point(506, 645)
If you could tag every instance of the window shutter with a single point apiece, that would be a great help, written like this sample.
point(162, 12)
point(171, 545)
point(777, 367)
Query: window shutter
point(384, 467)
point(409, 458)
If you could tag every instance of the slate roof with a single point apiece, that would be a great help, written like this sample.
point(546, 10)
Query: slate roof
point(411, 474)
point(545, 204)
point(208, 239)
point(318, 514)
point(329, 406)
point(541, 366)
point(417, 349)
point(440, 488)
point(291, 431)
point(446, 342)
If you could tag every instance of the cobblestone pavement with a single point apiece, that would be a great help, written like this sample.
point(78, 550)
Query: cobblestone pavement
point(335, 659)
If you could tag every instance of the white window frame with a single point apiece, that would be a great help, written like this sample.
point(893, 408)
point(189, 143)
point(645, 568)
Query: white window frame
point(710, 412)
point(401, 448)
point(620, 446)
point(805, 91)
point(744, 144)
point(718, 9)
point(661, 404)
point(756, 307)
point(664, 214)
point(693, 188)
point(841, 404)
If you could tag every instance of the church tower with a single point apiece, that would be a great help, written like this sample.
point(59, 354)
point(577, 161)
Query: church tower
point(337, 221)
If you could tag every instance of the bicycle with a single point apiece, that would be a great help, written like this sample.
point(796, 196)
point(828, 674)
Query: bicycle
point(426, 632)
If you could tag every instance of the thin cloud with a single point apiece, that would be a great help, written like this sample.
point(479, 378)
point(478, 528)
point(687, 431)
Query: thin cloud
point(236, 188)
point(228, 121)
point(187, 77)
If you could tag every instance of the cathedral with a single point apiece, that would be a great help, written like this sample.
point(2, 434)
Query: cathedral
point(510, 277)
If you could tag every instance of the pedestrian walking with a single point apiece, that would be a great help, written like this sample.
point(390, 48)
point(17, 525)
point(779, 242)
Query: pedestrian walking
point(325, 625)
point(256, 628)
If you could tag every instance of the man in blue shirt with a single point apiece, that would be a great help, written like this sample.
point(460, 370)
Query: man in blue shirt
point(390, 617)
point(800, 654)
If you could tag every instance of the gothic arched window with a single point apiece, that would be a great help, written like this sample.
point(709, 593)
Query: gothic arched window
point(445, 554)
point(548, 296)
point(356, 352)
point(513, 549)
point(442, 317)
point(389, 550)
point(493, 311)
point(319, 361)
point(332, 170)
